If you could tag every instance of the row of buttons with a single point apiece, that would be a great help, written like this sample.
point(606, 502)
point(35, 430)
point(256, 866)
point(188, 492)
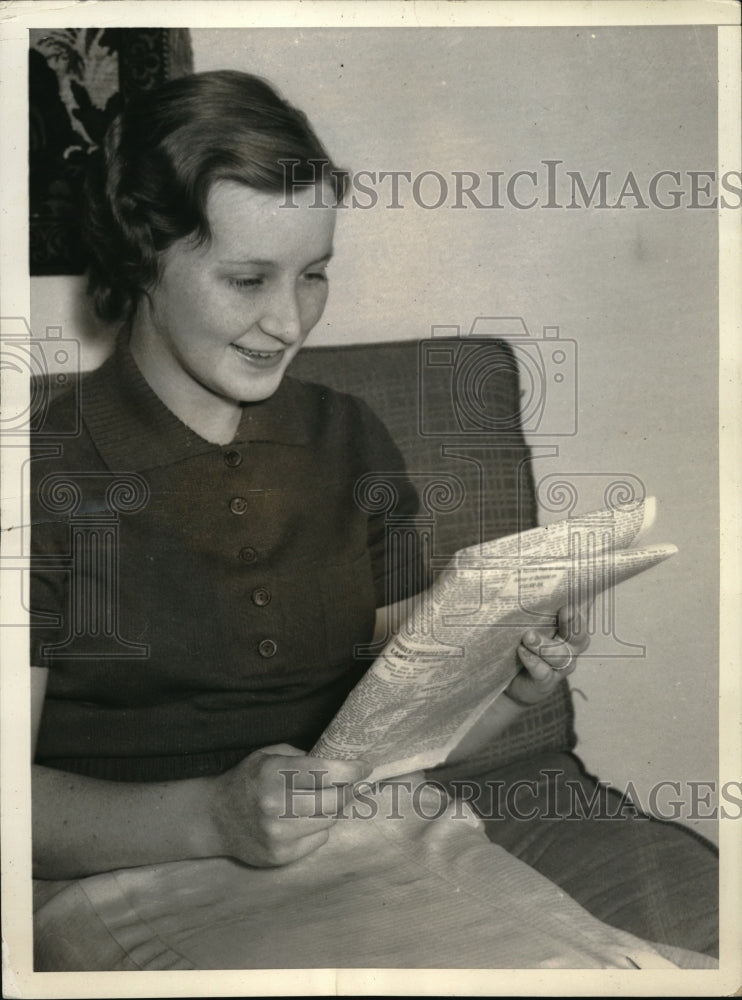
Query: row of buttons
point(261, 596)
point(238, 505)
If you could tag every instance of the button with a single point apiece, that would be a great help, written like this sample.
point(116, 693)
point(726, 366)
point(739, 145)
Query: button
point(238, 505)
point(232, 459)
point(248, 555)
point(267, 648)
point(261, 597)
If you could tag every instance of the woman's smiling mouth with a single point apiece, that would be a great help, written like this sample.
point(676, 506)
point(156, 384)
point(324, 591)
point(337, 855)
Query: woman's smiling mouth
point(263, 358)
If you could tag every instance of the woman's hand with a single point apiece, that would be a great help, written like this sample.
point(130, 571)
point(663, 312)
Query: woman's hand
point(547, 656)
point(87, 825)
point(278, 805)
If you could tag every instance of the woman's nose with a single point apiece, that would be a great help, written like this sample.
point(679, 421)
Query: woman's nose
point(282, 317)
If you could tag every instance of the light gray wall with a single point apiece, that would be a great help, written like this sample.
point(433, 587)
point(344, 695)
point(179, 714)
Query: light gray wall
point(635, 289)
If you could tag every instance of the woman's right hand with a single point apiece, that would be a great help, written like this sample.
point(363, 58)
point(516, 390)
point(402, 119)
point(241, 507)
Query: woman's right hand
point(278, 805)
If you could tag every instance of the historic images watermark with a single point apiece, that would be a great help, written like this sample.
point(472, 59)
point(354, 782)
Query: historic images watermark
point(523, 800)
point(550, 184)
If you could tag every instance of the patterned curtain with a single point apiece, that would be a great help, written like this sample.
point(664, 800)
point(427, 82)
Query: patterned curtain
point(78, 80)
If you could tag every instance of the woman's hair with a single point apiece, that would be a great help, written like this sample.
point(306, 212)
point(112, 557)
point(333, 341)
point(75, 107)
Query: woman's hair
point(149, 184)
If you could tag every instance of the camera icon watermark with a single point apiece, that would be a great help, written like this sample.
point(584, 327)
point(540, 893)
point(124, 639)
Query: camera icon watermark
point(34, 370)
point(465, 367)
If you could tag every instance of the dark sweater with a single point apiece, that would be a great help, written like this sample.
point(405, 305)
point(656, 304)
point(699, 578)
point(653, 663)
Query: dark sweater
point(207, 598)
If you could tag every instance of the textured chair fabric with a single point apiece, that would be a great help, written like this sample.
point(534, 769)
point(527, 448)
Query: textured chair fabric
point(445, 436)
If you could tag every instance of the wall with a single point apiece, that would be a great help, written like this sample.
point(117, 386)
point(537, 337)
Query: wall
point(634, 288)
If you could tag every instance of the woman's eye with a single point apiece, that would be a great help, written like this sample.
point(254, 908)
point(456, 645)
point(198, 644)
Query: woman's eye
point(316, 276)
point(245, 282)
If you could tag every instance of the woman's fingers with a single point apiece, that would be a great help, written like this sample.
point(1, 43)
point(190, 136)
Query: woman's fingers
point(556, 654)
point(314, 803)
point(331, 772)
point(547, 657)
point(538, 669)
point(296, 787)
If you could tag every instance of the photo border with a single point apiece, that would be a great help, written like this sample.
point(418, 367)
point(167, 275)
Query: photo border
point(19, 979)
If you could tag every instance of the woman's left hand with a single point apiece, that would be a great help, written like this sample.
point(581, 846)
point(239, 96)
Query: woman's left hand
point(548, 656)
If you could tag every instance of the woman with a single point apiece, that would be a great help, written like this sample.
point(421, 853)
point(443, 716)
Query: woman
point(242, 575)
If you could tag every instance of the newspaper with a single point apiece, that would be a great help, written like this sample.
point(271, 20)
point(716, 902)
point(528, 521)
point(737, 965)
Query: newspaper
point(457, 649)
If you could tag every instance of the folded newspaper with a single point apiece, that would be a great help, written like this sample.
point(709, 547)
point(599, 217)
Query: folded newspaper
point(457, 650)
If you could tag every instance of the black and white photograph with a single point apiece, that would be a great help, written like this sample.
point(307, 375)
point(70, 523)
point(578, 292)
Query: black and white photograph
point(370, 534)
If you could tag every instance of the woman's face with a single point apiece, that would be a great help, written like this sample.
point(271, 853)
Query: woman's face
point(226, 318)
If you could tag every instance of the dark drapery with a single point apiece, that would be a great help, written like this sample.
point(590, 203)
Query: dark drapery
point(78, 80)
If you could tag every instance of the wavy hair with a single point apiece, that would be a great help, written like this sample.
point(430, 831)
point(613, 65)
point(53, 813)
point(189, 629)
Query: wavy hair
point(149, 184)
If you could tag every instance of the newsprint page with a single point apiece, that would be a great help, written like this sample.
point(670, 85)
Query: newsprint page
point(370, 551)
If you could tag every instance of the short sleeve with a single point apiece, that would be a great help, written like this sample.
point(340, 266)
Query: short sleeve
point(394, 542)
